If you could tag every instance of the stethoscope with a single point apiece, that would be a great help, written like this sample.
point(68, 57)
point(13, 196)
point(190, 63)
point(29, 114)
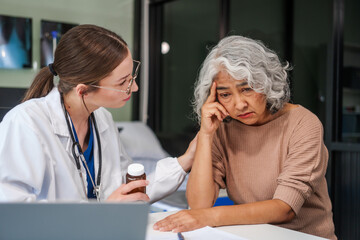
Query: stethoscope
point(79, 156)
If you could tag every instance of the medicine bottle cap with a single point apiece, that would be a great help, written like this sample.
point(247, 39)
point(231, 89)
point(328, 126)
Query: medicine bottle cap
point(136, 169)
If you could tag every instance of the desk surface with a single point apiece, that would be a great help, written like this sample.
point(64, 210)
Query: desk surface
point(250, 232)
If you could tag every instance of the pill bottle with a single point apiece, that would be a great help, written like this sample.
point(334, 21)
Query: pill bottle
point(136, 171)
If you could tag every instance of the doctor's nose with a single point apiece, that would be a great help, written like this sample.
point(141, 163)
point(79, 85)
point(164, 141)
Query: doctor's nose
point(134, 87)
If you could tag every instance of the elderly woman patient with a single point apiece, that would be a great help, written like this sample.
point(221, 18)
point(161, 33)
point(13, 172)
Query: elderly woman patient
point(269, 154)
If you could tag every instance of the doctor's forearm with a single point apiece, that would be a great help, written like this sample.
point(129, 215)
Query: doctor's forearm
point(200, 189)
point(187, 159)
point(185, 162)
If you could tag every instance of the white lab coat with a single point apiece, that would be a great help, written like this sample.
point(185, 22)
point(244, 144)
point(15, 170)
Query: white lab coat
point(36, 161)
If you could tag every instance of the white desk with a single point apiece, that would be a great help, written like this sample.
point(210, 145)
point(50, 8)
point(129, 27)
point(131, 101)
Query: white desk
point(251, 232)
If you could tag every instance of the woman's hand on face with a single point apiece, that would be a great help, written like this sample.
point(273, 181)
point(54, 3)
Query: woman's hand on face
point(185, 220)
point(121, 193)
point(212, 113)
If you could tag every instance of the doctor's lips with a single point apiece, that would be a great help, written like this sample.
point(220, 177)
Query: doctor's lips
point(127, 99)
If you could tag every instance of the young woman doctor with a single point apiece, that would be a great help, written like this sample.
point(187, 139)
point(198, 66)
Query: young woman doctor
point(61, 144)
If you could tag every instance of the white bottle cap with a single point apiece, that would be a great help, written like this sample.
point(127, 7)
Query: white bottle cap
point(136, 169)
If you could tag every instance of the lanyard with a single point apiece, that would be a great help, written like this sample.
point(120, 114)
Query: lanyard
point(79, 156)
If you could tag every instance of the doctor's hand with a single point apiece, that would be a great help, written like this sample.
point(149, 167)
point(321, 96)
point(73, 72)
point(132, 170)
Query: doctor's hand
point(212, 113)
point(186, 220)
point(122, 193)
point(187, 159)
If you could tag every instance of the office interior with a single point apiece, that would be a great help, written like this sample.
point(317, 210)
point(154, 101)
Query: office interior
point(320, 39)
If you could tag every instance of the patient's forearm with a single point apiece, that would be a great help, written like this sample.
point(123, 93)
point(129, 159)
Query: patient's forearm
point(269, 211)
point(200, 189)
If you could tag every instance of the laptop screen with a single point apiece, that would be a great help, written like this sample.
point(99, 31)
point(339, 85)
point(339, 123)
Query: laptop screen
point(73, 221)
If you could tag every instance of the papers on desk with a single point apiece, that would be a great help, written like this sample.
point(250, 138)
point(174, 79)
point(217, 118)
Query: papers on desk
point(235, 232)
point(207, 233)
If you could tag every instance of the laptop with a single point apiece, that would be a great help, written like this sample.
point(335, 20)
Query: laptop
point(83, 221)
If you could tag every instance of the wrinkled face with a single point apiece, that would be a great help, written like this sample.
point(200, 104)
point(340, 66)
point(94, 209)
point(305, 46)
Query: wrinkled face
point(119, 79)
point(241, 101)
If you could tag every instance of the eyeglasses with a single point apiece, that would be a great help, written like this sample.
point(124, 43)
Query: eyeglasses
point(133, 78)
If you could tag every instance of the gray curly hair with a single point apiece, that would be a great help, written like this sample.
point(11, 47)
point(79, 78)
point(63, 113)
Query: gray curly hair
point(245, 58)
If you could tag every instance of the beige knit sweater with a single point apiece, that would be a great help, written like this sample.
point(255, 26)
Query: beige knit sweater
point(283, 159)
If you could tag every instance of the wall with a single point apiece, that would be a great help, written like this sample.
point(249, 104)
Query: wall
point(116, 15)
point(261, 21)
point(312, 32)
point(190, 31)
